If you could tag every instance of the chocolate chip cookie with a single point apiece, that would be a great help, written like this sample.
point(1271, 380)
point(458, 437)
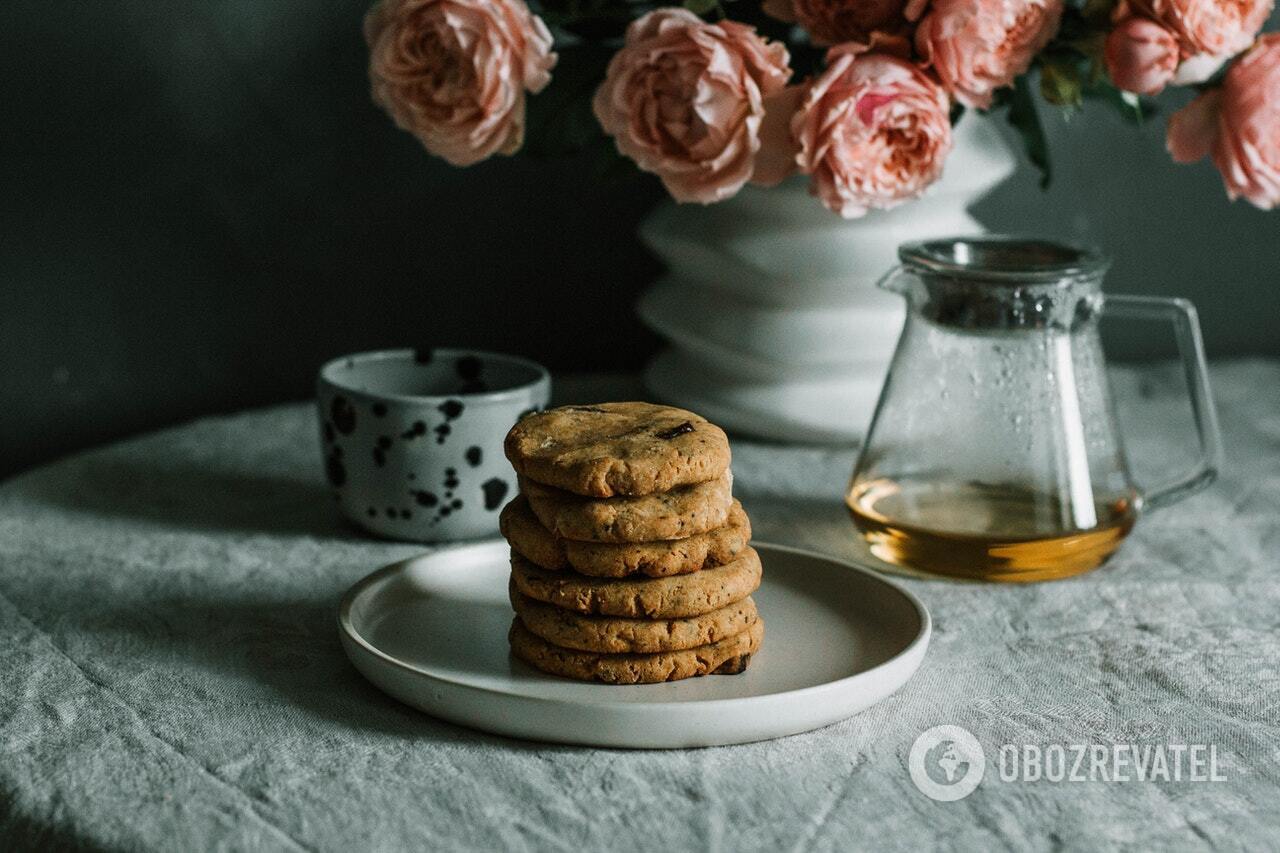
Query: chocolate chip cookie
point(716, 547)
point(677, 514)
point(727, 656)
point(675, 597)
point(617, 635)
point(617, 449)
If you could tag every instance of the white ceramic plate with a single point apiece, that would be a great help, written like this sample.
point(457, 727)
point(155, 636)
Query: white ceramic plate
point(432, 632)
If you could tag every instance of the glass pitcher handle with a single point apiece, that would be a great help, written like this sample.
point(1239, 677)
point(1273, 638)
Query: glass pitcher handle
point(1191, 348)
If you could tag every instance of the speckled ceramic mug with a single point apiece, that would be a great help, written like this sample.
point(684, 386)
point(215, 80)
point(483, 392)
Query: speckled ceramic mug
point(412, 439)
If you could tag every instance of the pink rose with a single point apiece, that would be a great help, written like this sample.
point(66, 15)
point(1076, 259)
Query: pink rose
point(834, 21)
point(873, 130)
point(1191, 130)
point(685, 100)
point(1239, 125)
point(1141, 56)
point(1213, 27)
point(978, 46)
point(454, 72)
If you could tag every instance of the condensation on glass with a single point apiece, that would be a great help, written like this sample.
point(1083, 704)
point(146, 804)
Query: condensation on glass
point(994, 451)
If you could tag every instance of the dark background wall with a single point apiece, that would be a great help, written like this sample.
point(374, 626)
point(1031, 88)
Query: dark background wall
point(199, 204)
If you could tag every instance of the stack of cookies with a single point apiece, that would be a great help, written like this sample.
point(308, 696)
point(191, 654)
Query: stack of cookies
point(630, 560)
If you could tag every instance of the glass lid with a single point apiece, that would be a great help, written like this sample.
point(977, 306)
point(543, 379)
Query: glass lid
point(1003, 259)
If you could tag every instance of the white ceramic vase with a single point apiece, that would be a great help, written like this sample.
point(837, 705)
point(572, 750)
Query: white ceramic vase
point(775, 325)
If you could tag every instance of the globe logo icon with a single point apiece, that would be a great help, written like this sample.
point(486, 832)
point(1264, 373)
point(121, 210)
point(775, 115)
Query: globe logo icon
point(946, 763)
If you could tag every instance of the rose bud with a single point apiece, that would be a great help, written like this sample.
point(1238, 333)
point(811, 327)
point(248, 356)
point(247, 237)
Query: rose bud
point(1141, 56)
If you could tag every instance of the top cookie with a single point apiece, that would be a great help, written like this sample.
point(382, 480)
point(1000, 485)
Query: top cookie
point(617, 449)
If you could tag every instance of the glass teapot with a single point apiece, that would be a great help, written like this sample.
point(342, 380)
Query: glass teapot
point(994, 452)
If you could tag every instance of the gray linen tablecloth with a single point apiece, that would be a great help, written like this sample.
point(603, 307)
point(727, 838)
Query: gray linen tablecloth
point(171, 678)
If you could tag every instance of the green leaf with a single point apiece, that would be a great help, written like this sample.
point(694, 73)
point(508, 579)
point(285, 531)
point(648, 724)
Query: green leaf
point(594, 20)
point(1091, 45)
point(1075, 27)
point(1025, 119)
point(701, 7)
point(1097, 10)
point(559, 119)
point(1060, 84)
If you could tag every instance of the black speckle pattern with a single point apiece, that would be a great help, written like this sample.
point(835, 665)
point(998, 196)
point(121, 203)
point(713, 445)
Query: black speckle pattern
point(343, 415)
point(451, 409)
point(450, 503)
point(469, 370)
point(495, 490)
point(426, 501)
point(334, 469)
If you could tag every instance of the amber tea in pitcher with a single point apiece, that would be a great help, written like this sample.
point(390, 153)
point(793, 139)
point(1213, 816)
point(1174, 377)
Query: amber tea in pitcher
point(994, 453)
point(981, 531)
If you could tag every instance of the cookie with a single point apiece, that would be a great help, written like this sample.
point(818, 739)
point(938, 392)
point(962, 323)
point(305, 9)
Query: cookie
point(677, 514)
point(658, 559)
point(616, 635)
point(728, 657)
point(675, 597)
point(617, 449)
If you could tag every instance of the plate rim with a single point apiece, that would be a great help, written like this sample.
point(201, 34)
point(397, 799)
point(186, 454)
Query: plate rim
point(915, 649)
